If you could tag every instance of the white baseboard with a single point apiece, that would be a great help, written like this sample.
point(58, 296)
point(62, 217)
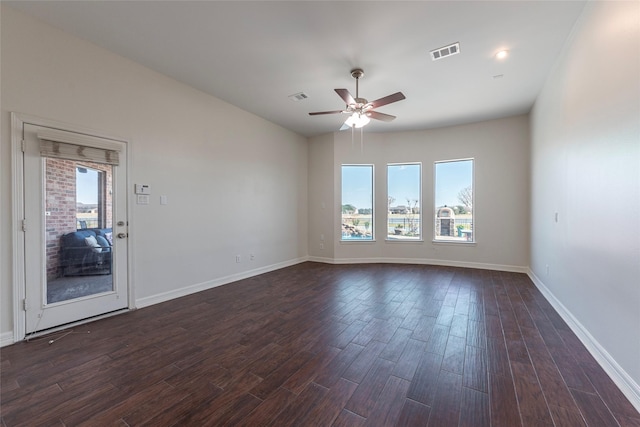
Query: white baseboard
point(6, 338)
point(423, 261)
point(619, 376)
point(323, 260)
point(198, 287)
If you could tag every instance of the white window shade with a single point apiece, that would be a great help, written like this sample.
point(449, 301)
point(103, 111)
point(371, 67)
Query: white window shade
point(74, 146)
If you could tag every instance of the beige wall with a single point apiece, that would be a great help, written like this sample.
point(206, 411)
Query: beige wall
point(501, 152)
point(322, 211)
point(586, 167)
point(236, 184)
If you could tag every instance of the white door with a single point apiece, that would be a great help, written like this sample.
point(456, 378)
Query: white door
point(75, 227)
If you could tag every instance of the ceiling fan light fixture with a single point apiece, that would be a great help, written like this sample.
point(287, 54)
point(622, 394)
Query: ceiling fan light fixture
point(359, 109)
point(357, 120)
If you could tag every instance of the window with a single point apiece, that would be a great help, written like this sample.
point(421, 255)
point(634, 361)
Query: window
point(91, 209)
point(403, 201)
point(454, 201)
point(357, 202)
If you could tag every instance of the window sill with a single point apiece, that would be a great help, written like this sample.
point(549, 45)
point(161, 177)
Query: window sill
point(351, 241)
point(404, 240)
point(454, 242)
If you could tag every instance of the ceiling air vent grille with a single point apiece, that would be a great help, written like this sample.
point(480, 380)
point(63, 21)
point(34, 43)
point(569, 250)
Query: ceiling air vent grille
point(443, 52)
point(298, 96)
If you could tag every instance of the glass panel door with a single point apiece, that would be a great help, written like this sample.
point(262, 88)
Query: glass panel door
point(75, 236)
point(78, 227)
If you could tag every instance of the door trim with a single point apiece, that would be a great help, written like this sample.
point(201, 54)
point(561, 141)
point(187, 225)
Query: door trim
point(18, 120)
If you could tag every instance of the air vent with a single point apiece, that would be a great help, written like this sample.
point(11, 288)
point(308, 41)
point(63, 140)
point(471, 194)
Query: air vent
point(445, 51)
point(298, 96)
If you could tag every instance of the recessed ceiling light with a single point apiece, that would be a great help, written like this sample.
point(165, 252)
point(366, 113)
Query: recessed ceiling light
point(502, 54)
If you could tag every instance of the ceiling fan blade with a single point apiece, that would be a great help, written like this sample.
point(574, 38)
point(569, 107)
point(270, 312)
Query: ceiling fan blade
point(346, 96)
point(380, 116)
point(345, 127)
point(326, 112)
point(398, 96)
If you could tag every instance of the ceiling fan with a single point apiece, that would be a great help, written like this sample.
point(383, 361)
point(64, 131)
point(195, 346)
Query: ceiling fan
point(359, 109)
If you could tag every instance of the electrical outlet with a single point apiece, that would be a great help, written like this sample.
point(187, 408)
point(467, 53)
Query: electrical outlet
point(321, 246)
point(237, 258)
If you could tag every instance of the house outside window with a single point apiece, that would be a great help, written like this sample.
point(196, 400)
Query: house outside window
point(404, 218)
point(454, 201)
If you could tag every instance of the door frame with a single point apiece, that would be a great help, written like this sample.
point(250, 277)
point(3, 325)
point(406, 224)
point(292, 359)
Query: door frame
point(18, 120)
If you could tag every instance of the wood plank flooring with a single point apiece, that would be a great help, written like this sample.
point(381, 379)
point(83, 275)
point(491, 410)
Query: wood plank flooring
point(322, 345)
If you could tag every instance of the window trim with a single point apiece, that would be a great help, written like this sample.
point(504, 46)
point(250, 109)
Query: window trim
point(473, 242)
point(420, 204)
point(373, 204)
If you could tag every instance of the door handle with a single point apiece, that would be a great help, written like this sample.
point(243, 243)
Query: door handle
point(122, 235)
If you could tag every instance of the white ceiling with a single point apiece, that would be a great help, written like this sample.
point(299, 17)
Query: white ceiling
point(255, 54)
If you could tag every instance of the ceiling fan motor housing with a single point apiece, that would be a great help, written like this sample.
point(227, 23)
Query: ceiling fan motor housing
point(356, 73)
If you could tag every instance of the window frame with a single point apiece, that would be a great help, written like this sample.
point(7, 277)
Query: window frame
point(473, 240)
point(373, 203)
point(420, 237)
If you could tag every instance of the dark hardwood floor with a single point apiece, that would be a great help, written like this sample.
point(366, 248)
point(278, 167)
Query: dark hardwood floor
point(322, 345)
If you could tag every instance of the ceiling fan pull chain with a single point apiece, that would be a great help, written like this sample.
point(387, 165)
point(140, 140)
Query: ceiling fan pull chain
point(352, 132)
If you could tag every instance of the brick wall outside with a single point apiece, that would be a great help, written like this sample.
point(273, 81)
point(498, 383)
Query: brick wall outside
point(109, 193)
point(60, 205)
